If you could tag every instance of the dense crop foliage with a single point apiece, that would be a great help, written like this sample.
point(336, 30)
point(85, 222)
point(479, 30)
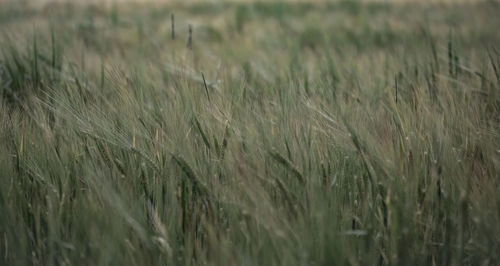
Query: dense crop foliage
point(287, 134)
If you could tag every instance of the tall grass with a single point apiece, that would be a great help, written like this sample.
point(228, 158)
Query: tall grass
point(291, 148)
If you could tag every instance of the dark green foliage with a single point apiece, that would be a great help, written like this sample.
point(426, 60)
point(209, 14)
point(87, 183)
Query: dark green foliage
point(353, 7)
point(27, 73)
point(278, 9)
point(241, 16)
point(202, 8)
point(311, 37)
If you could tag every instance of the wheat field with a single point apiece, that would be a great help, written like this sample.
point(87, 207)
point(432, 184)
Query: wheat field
point(275, 133)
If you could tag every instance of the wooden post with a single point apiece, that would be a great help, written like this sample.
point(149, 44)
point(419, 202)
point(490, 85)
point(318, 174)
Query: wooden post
point(190, 37)
point(173, 26)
